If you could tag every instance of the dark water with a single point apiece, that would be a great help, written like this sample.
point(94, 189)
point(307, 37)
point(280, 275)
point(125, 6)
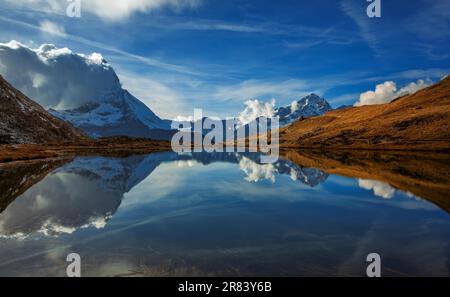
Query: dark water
point(212, 215)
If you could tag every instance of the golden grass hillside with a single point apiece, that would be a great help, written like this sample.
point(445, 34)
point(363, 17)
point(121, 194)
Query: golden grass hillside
point(416, 122)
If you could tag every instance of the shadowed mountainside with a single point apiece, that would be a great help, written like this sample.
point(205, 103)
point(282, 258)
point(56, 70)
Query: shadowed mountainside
point(24, 121)
point(425, 176)
point(416, 122)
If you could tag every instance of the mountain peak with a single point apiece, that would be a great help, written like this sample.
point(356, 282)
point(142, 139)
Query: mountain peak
point(82, 89)
point(313, 95)
point(309, 106)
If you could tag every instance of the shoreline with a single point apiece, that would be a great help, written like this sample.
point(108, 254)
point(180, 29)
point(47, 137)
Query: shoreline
point(103, 147)
point(124, 147)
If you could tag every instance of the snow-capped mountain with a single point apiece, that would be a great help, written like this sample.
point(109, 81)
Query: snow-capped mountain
point(117, 113)
point(309, 106)
point(81, 89)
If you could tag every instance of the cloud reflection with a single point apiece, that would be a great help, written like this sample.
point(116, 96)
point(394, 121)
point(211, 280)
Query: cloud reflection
point(380, 189)
point(88, 192)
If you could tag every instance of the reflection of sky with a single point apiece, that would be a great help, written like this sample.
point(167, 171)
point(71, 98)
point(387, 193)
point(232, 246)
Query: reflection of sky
point(58, 206)
point(169, 216)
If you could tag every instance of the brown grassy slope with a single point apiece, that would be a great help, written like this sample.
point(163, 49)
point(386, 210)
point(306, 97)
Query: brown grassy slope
point(416, 122)
point(423, 174)
point(24, 121)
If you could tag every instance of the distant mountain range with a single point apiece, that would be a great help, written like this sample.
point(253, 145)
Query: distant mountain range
point(309, 106)
point(24, 121)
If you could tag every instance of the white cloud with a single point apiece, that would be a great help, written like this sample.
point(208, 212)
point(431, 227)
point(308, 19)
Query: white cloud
point(255, 109)
point(111, 49)
point(383, 93)
point(414, 87)
point(387, 91)
point(181, 118)
point(108, 10)
point(52, 28)
point(294, 106)
point(257, 172)
point(379, 189)
point(57, 77)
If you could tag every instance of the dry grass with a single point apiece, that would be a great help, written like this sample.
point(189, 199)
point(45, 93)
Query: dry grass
point(117, 146)
point(417, 122)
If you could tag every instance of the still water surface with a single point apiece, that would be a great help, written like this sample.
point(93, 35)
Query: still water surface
point(212, 215)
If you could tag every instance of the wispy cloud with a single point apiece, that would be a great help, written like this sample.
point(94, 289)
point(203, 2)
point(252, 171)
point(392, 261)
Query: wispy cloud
point(424, 31)
point(265, 89)
point(105, 47)
point(343, 99)
point(430, 23)
point(357, 12)
point(52, 28)
point(158, 96)
point(107, 10)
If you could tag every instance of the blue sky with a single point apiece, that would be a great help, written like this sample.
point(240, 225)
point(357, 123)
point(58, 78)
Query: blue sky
point(177, 55)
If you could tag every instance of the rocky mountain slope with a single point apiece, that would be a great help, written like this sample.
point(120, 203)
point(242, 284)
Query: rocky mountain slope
point(415, 122)
point(24, 121)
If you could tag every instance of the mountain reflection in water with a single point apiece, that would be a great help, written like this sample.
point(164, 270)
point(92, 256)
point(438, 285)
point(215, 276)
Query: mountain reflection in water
point(227, 210)
point(88, 191)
